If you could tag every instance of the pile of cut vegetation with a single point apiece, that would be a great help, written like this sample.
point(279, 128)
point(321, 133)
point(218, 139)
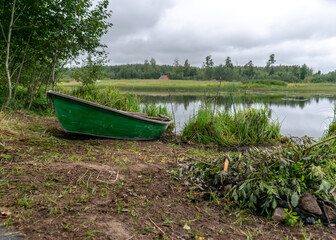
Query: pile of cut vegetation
point(290, 183)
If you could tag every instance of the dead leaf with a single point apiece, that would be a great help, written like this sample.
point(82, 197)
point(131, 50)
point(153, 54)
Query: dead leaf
point(5, 213)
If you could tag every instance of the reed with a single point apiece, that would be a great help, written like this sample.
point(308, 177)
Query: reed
point(111, 97)
point(332, 126)
point(228, 128)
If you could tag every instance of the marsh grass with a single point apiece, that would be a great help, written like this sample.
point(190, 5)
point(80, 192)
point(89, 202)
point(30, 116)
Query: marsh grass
point(194, 86)
point(112, 97)
point(332, 126)
point(149, 85)
point(227, 128)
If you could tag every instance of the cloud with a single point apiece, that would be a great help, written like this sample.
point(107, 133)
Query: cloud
point(297, 32)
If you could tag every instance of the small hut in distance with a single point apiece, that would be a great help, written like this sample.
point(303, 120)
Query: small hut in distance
point(164, 77)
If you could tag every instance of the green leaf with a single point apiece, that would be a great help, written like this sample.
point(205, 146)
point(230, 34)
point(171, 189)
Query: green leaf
point(274, 203)
point(295, 199)
point(325, 186)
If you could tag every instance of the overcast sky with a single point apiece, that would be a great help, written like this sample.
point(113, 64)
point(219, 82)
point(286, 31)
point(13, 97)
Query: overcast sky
point(296, 31)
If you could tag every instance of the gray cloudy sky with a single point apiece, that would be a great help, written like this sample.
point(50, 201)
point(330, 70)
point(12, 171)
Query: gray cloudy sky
point(296, 31)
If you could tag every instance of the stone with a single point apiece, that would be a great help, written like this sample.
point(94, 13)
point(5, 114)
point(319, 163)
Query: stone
point(310, 221)
point(329, 213)
point(279, 214)
point(308, 203)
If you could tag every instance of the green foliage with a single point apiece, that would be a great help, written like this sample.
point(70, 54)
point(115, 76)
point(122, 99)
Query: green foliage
point(291, 218)
point(46, 35)
point(266, 176)
point(247, 126)
point(90, 72)
point(226, 72)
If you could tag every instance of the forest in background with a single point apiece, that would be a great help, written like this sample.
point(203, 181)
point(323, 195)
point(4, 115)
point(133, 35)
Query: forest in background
point(209, 71)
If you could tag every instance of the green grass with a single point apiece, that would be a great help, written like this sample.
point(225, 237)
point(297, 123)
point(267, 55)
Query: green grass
point(228, 128)
point(193, 86)
point(112, 97)
point(173, 86)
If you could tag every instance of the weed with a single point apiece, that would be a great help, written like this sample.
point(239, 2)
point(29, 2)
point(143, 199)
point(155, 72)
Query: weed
point(291, 218)
point(25, 201)
point(91, 234)
point(241, 220)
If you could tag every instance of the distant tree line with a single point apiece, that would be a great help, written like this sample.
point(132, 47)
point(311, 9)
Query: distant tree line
point(38, 38)
point(209, 71)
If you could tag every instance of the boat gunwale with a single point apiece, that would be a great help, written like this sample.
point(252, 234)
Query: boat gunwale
point(165, 121)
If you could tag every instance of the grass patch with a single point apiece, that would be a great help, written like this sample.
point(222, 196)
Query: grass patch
point(227, 128)
point(112, 97)
point(265, 83)
point(193, 86)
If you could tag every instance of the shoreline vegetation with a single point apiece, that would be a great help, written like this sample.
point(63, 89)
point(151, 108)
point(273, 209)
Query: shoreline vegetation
point(150, 86)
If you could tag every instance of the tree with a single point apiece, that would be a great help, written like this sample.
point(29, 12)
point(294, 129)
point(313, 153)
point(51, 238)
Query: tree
point(176, 62)
point(41, 36)
point(249, 69)
point(153, 62)
point(303, 71)
point(269, 64)
point(90, 72)
point(228, 75)
point(186, 68)
point(208, 67)
point(209, 62)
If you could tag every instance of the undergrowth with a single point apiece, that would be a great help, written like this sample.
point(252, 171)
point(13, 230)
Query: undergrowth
point(261, 178)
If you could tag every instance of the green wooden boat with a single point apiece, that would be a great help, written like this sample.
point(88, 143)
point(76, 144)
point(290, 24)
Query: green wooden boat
point(84, 117)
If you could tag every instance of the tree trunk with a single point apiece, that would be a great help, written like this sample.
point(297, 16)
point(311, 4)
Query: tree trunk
point(20, 71)
point(47, 85)
point(33, 88)
point(53, 73)
point(7, 56)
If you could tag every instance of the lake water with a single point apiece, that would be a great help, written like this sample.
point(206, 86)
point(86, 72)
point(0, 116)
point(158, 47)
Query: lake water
point(299, 116)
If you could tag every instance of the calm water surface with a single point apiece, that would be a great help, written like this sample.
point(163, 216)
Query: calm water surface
point(299, 116)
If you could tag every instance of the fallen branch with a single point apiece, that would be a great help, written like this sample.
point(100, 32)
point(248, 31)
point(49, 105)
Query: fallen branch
point(156, 225)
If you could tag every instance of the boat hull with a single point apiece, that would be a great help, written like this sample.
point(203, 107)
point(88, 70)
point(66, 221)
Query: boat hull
point(84, 117)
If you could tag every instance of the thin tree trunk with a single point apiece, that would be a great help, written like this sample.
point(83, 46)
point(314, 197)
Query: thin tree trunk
point(33, 88)
point(53, 73)
point(46, 87)
point(7, 57)
point(20, 71)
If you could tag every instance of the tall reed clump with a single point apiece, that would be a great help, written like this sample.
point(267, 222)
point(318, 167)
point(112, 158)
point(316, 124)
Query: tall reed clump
point(332, 127)
point(111, 97)
point(246, 126)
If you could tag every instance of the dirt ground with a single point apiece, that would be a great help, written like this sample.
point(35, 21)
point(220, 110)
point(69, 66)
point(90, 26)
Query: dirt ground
point(55, 185)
